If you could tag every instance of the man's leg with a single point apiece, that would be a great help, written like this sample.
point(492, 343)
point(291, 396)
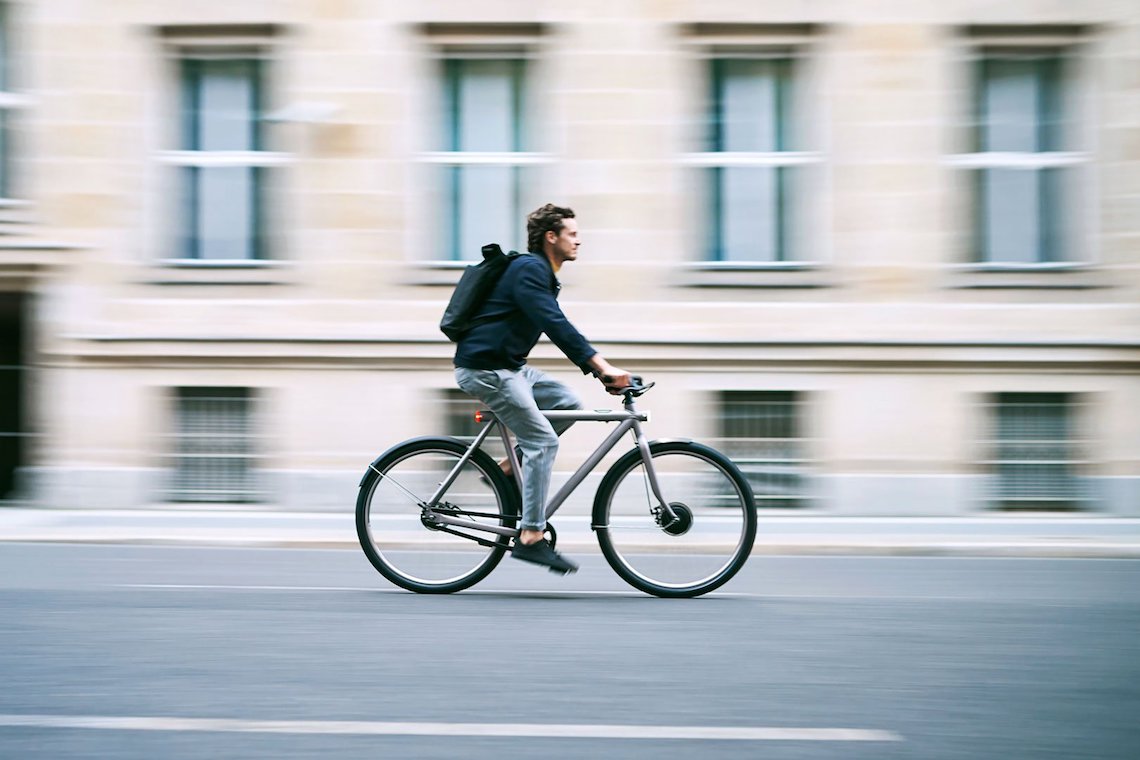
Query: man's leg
point(551, 394)
point(508, 394)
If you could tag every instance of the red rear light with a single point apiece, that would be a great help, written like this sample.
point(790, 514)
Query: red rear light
point(478, 416)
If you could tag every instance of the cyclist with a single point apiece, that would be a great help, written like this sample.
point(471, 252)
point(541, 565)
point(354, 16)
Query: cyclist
point(490, 364)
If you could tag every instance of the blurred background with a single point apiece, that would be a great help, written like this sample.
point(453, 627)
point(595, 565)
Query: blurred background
point(885, 254)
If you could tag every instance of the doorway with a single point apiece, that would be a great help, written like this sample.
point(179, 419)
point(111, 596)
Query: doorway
point(13, 434)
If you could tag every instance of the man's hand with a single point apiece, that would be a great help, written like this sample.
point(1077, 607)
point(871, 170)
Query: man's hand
point(614, 378)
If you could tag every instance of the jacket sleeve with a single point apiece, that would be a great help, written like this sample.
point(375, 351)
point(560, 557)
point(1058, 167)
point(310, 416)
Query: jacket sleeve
point(534, 297)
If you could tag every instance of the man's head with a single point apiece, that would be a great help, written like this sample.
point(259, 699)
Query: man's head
point(553, 231)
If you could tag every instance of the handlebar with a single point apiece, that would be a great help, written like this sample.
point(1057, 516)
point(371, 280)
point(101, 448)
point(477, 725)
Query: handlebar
point(637, 386)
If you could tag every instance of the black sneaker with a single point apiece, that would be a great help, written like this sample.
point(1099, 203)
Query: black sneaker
point(542, 553)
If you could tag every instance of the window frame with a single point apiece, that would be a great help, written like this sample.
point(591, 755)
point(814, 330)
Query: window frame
point(489, 42)
point(11, 103)
point(780, 158)
point(1075, 250)
point(518, 160)
point(181, 47)
point(805, 255)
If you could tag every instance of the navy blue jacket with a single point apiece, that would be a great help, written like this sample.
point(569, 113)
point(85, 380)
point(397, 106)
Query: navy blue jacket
point(522, 306)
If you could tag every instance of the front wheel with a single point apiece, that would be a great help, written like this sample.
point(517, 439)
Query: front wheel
point(700, 550)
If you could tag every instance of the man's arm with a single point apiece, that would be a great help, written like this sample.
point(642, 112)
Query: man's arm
point(612, 377)
point(533, 296)
point(541, 307)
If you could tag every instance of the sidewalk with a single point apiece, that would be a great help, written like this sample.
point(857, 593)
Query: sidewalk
point(986, 535)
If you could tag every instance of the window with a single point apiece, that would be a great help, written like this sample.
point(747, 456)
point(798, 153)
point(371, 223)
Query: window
point(222, 164)
point(459, 420)
point(481, 159)
point(223, 199)
point(216, 448)
point(1032, 452)
point(8, 102)
point(754, 165)
point(761, 431)
point(1025, 172)
point(483, 154)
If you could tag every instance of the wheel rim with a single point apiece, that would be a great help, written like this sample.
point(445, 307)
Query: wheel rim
point(405, 545)
point(715, 536)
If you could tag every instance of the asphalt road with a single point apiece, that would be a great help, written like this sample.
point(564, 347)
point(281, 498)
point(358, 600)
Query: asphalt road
point(175, 652)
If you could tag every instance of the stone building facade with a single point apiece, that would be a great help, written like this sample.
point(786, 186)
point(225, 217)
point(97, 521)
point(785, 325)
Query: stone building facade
point(886, 254)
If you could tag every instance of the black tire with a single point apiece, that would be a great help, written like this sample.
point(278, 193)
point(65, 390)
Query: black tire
point(407, 551)
point(698, 554)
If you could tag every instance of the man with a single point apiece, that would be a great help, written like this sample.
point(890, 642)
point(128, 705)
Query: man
point(490, 364)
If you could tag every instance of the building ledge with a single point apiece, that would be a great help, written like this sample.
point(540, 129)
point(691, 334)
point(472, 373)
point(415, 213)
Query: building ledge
point(206, 272)
point(1061, 276)
point(791, 274)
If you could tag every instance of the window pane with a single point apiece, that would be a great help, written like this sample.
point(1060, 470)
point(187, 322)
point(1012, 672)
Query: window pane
point(5, 159)
point(752, 213)
point(483, 105)
point(1011, 205)
point(484, 209)
point(749, 105)
point(1020, 105)
point(4, 51)
point(1009, 105)
point(222, 211)
point(1024, 213)
point(221, 105)
point(5, 116)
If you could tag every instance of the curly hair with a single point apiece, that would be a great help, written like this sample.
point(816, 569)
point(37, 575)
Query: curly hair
point(545, 219)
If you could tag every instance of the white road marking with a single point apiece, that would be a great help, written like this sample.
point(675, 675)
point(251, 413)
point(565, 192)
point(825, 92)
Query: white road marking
point(508, 730)
point(374, 589)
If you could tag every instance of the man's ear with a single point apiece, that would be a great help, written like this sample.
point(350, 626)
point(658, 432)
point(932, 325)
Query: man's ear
point(550, 236)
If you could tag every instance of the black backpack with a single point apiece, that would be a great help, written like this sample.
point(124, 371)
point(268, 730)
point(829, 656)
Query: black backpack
point(473, 290)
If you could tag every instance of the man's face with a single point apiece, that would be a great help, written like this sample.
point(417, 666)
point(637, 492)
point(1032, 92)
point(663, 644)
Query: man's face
point(565, 244)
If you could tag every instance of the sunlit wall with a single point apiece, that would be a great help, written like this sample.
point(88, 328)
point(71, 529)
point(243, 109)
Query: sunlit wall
point(885, 254)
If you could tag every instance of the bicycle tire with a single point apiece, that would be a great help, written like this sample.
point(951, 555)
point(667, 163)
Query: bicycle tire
point(718, 535)
point(389, 509)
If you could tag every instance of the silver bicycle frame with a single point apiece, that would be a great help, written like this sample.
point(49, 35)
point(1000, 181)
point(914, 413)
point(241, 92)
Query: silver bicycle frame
point(627, 419)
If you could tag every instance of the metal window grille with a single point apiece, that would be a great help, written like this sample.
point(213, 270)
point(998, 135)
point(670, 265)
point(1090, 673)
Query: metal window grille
point(216, 447)
point(1033, 462)
point(459, 420)
point(761, 431)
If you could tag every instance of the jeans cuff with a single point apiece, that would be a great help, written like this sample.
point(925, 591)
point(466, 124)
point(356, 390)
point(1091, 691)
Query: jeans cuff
point(532, 526)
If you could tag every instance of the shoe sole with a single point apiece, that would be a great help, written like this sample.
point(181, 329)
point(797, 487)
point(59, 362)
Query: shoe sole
point(551, 568)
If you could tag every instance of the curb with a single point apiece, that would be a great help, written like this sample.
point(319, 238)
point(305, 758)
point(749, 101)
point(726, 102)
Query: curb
point(1041, 550)
point(1046, 535)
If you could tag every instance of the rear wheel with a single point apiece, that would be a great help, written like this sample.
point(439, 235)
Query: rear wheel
point(703, 547)
point(401, 538)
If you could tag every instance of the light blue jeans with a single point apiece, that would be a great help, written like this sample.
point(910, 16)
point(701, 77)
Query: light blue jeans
point(516, 396)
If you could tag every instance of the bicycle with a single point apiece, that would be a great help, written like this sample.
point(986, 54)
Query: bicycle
point(685, 545)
